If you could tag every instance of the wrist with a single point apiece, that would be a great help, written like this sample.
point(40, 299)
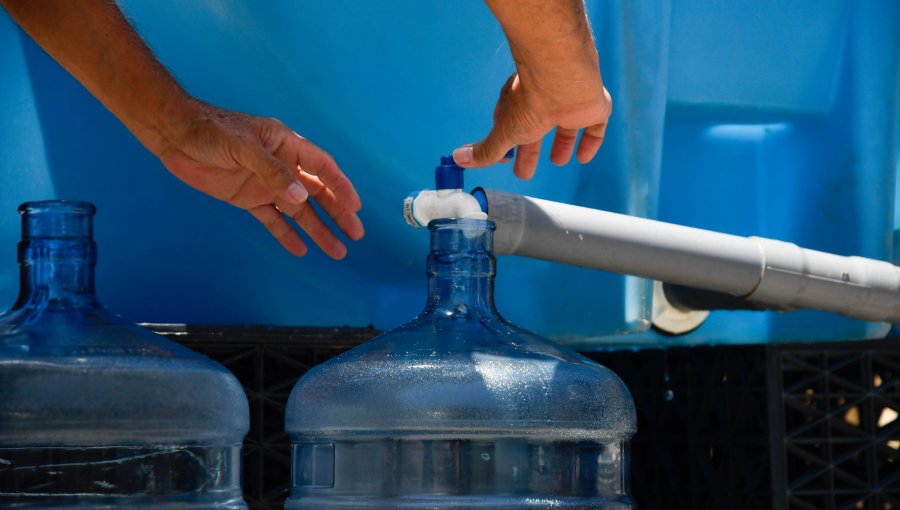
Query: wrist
point(171, 121)
point(562, 70)
point(562, 88)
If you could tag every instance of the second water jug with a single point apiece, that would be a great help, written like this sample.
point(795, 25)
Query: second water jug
point(95, 412)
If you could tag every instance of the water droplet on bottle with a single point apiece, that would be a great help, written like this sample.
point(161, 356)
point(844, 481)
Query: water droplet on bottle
point(485, 456)
point(668, 395)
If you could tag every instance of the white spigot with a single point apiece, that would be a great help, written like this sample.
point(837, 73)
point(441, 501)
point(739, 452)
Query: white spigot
point(448, 200)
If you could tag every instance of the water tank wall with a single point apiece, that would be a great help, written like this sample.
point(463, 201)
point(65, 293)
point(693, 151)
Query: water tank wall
point(757, 118)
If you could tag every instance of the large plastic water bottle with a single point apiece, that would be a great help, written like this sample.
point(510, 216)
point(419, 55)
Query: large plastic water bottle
point(459, 408)
point(94, 411)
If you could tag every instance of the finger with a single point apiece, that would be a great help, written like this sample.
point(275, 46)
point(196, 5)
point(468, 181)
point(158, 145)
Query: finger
point(486, 152)
point(315, 161)
point(347, 220)
point(563, 145)
point(502, 101)
point(280, 229)
point(590, 143)
point(527, 160)
point(508, 156)
point(274, 174)
point(498, 142)
point(309, 221)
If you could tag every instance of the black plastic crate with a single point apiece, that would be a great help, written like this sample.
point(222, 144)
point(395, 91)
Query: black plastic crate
point(839, 443)
point(703, 431)
point(267, 361)
point(795, 426)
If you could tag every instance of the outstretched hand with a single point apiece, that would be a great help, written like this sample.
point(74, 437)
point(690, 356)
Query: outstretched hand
point(260, 165)
point(250, 162)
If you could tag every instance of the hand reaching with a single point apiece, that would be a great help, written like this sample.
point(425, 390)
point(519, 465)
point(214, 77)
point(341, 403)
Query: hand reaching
point(557, 84)
point(260, 165)
point(253, 163)
point(523, 116)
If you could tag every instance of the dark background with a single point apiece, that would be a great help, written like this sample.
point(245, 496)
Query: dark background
point(799, 426)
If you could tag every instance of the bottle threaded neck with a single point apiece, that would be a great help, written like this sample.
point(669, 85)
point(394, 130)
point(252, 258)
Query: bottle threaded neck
point(460, 265)
point(57, 230)
point(461, 246)
point(57, 252)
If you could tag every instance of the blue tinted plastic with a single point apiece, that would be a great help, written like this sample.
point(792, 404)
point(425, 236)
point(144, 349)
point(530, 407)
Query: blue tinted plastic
point(448, 175)
point(97, 412)
point(783, 121)
point(459, 408)
point(370, 82)
point(775, 118)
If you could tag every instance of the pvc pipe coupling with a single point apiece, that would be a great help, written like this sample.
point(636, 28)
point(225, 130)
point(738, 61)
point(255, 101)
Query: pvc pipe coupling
point(772, 274)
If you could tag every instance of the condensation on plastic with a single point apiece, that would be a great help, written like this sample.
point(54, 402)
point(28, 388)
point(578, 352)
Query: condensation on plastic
point(459, 408)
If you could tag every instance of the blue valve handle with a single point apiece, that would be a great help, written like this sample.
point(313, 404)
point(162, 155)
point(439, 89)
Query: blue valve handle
point(449, 175)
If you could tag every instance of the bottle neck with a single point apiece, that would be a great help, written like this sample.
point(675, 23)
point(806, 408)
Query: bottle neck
point(461, 268)
point(51, 273)
point(57, 255)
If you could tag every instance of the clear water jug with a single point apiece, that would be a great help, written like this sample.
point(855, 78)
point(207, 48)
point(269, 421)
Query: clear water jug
point(96, 412)
point(459, 408)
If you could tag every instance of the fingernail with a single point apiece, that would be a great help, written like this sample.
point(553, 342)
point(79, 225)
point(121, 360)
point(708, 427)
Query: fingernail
point(297, 193)
point(463, 155)
point(356, 228)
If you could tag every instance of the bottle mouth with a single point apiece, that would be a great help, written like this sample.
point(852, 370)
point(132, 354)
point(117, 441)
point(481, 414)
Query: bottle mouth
point(455, 240)
point(460, 223)
point(77, 207)
point(57, 219)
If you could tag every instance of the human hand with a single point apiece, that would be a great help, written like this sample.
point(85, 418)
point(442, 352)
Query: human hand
point(260, 165)
point(527, 111)
point(250, 162)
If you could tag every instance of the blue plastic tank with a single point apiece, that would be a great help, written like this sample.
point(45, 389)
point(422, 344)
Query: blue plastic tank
point(96, 412)
point(459, 408)
point(772, 118)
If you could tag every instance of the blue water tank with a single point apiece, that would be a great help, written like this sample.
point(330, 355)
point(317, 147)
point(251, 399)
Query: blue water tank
point(773, 118)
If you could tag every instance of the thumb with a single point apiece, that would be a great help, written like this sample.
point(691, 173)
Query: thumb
point(486, 152)
point(274, 174)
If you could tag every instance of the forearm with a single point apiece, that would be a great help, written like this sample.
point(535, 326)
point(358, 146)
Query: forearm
point(92, 40)
point(550, 41)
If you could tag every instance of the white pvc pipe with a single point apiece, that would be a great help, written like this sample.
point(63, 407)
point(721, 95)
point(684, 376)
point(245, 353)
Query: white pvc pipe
point(769, 272)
